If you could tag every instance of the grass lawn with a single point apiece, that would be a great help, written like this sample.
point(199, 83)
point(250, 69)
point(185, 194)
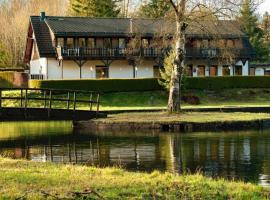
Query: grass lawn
point(184, 117)
point(158, 99)
point(30, 180)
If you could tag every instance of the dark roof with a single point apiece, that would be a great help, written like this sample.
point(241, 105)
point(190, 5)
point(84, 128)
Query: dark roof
point(43, 37)
point(85, 26)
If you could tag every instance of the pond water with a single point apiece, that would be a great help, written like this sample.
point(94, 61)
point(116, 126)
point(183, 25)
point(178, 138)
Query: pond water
point(233, 155)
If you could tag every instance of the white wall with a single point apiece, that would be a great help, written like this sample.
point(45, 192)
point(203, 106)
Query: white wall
point(39, 66)
point(219, 72)
point(120, 69)
point(145, 70)
point(54, 70)
point(259, 71)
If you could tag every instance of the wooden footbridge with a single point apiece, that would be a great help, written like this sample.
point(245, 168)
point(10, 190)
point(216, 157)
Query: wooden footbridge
point(31, 104)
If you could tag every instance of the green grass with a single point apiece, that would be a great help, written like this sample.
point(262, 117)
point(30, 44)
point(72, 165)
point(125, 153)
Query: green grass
point(184, 117)
point(29, 180)
point(158, 99)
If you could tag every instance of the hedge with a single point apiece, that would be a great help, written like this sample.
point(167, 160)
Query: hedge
point(101, 85)
point(150, 84)
point(223, 82)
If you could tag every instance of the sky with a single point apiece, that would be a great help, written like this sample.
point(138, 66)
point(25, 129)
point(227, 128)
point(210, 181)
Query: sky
point(264, 7)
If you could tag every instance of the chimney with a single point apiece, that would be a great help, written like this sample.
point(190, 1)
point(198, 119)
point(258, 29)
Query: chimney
point(42, 16)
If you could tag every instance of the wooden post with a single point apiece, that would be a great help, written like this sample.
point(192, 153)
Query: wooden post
point(50, 104)
point(21, 98)
point(0, 98)
point(68, 100)
point(25, 103)
point(74, 101)
point(45, 98)
point(97, 103)
point(90, 101)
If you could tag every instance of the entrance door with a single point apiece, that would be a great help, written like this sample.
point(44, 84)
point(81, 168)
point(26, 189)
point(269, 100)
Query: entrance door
point(238, 70)
point(102, 72)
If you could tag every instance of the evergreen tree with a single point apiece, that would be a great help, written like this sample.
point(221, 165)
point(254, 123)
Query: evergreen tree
point(93, 8)
point(154, 9)
point(249, 23)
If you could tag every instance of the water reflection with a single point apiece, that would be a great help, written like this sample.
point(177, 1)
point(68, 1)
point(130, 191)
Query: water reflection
point(242, 155)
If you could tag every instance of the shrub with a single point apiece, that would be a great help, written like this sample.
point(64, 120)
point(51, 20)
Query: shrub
point(216, 83)
point(10, 79)
point(151, 84)
point(101, 85)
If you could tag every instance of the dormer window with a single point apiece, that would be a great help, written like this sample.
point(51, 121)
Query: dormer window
point(60, 42)
point(91, 42)
point(70, 43)
point(81, 42)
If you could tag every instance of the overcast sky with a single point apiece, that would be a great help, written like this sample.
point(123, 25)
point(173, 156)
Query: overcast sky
point(264, 7)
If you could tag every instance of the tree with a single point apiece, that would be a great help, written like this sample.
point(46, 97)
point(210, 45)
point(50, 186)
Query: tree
point(154, 9)
point(93, 8)
point(250, 25)
point(14, 15)
point(4, 57)
point(183, 11)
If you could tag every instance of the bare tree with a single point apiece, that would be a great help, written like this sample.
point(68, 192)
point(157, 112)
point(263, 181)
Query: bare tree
point(186, 12)
point(14, 15)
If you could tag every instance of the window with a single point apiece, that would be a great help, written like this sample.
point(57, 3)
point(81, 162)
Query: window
point(238, 70)
point(213, 70)
point(267, 72)
point(60, 42)
point(252, 71)
point(157, 71)
point(102, 72)
point(145, 43)
point(189, 70)
point(226, 70)
point(81, 42)
point(201, 70)
point(122, 43)
point(99, 43)
point(230, 44)
point(70, 43)
point(107, 43)
point(91, 42)
point(115, 43)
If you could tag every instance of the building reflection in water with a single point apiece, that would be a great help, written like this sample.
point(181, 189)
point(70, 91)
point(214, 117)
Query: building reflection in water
point(231, 155)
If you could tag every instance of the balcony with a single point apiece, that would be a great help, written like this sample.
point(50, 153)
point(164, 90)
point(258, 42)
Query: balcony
point(219, 53)
point(106, 53)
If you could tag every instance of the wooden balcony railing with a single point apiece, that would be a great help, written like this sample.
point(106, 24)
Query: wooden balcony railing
point(122, 53)
point(107, 52)
point(219, 53)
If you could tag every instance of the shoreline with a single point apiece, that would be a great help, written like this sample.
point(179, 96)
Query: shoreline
point(186, 122)
point(182, 127)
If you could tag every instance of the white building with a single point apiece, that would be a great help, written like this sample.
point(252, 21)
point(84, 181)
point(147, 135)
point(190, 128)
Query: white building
point(76, 47)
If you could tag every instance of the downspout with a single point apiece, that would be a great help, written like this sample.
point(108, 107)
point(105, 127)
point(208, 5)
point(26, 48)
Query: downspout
point(47, 76)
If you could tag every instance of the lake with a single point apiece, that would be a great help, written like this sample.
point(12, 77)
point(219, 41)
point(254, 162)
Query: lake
point(241, 155)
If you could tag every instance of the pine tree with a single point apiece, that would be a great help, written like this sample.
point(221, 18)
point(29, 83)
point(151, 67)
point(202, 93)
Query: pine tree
point(93, 8)
point(249, 23)
point(154, 9)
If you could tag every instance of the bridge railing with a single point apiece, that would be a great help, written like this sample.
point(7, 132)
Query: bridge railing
point(46, 98)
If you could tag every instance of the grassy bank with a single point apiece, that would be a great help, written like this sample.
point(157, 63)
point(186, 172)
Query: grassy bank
point(184, 117)
point(29, 180)
point(158, 99)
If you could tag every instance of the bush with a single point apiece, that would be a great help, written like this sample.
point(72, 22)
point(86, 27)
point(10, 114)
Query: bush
point(101, 85)
point(216, 83)
point(151, 84)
